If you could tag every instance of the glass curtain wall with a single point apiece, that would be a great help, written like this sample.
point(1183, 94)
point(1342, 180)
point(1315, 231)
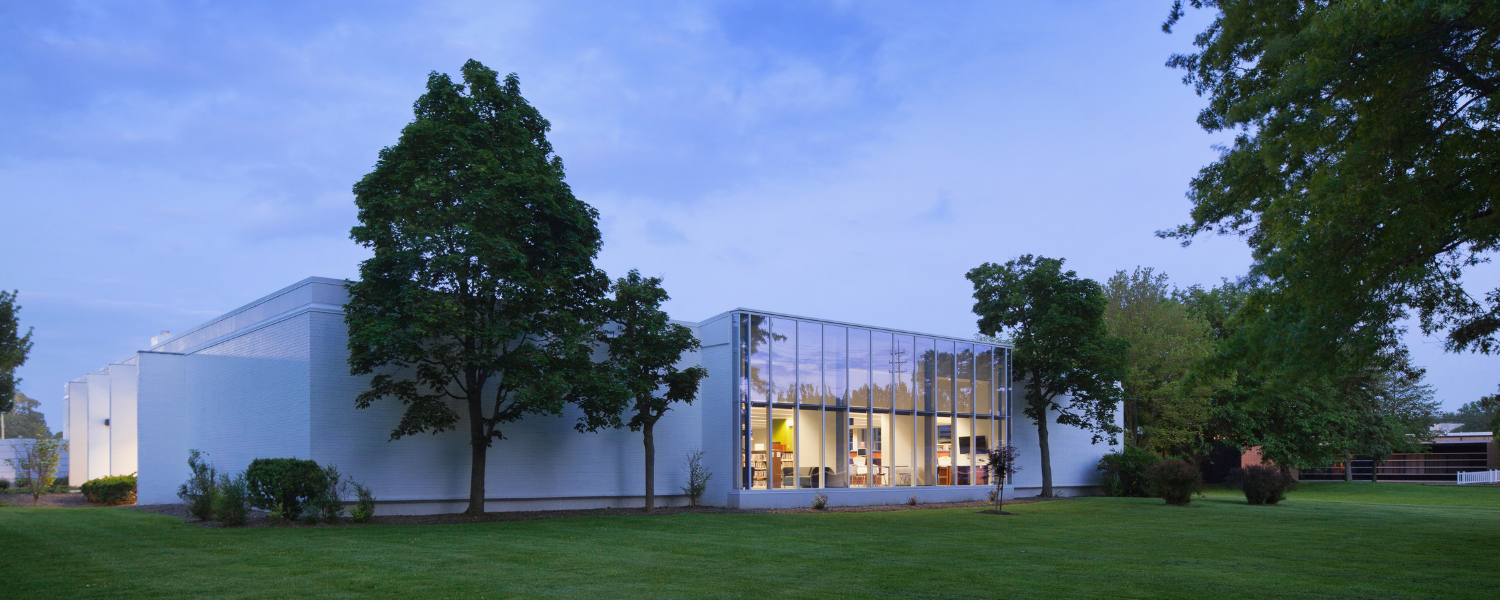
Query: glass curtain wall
point(828, 406)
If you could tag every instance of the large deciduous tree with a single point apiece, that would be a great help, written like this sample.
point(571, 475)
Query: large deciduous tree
point(481, 300)
point(1062, 347)
point(1165, 408)
point(645, 348)
point(25, 420)
point(13, 349)
point(1362, 174)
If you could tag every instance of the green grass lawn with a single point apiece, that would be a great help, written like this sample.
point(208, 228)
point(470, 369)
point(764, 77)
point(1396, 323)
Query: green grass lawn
point(1329, 540)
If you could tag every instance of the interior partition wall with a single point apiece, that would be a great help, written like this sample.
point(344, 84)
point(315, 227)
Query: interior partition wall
point(824, 405)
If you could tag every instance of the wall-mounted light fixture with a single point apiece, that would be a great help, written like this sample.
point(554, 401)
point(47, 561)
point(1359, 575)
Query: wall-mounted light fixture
point(106, 422)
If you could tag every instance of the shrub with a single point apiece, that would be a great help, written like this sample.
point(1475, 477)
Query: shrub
point(232, 500)
point(328, 505)
point(112, 491)
point(698, 476)
point(913, 501)
point(284, 485)
point(820, 501)
point(1124, 472)
point(1262, 484)
point(364, 507)
point(201, 487)
point(1174, 480)
point(4, 484)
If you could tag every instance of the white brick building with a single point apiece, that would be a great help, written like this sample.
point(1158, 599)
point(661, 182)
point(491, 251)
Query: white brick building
point(777, 418)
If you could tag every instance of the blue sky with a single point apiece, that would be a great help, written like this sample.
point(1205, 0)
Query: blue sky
point(166, 162)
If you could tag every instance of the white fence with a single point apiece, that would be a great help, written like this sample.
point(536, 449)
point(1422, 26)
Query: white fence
point(9, 448)
point(1479, 477)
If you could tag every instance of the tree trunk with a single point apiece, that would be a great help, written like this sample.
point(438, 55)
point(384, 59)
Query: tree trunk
point(650, 467)
point(478, 443)
point(1348, 467)
point(1374, 470)
point(1046, 456)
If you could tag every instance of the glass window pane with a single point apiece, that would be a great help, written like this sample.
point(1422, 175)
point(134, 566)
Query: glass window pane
point(926, 452)
point(944, 441)
point(859, 449)
point(809, 363)
point(784, 360)
point(835, 366)
point(742, 474)
point(966, 379)
point(859, 368)
point(760, 448)
point(964, 459)
point(984, 390)
point(760, 359)
point(902, 365)
point(945, 367)
point(903, 451)
point(836, 448)
point(810, 469)
point(926, 376)
point(983, 433)
point(881, 369)
point(1002, 382)
point(783, 457)
point(882, 458)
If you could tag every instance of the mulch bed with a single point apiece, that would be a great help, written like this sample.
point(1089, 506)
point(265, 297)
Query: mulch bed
point(63, 500)
point(262, 519)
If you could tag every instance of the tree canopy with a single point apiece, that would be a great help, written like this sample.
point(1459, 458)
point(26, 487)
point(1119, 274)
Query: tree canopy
point(25, 420)
point(645, 348)
point(480, 301)
point(13, 348)
point(1062, 346)
point(1362, 173)
point(1165, 407)
point(1480, 415)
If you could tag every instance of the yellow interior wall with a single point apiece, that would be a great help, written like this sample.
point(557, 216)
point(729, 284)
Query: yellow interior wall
point(783, 433)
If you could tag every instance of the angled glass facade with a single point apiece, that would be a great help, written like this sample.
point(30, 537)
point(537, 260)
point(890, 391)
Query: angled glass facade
point(830, 405)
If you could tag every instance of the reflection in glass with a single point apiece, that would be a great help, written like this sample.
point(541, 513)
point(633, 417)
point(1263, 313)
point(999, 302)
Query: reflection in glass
point(881, 369)
point(783, 452)
point(903, 451)
point(859, 449)
point(760, 359)
point(760, 448)
point(809, 361)
point(784, 360)
point(926, 376)
point(835, 366)
point(1002, 382)
point(944, 442)
point(742, 474)
point(859, 368)
point(984, 390)
point(944, 391)
point(966, 379)
point(902, 366)
point(836, 448)
point(810, 469)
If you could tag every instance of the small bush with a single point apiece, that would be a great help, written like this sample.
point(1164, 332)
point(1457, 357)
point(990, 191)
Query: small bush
point(364, 507)
point(1175, 481)
point(1124, 472)
point(698, 476)
point(4, 484)
point(913, 501)
point(1262, 484)
point(200, 488)
point(820, 501)
point(287, 483)
point(232, 500)
point(112, 491)
point(328, 505)
point(993, 495)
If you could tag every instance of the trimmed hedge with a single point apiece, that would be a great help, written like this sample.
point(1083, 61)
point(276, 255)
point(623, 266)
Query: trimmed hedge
point(1123, 473)
point(1262, 484)
point(1175, 480)
point(284, 486)
point(112, 491)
